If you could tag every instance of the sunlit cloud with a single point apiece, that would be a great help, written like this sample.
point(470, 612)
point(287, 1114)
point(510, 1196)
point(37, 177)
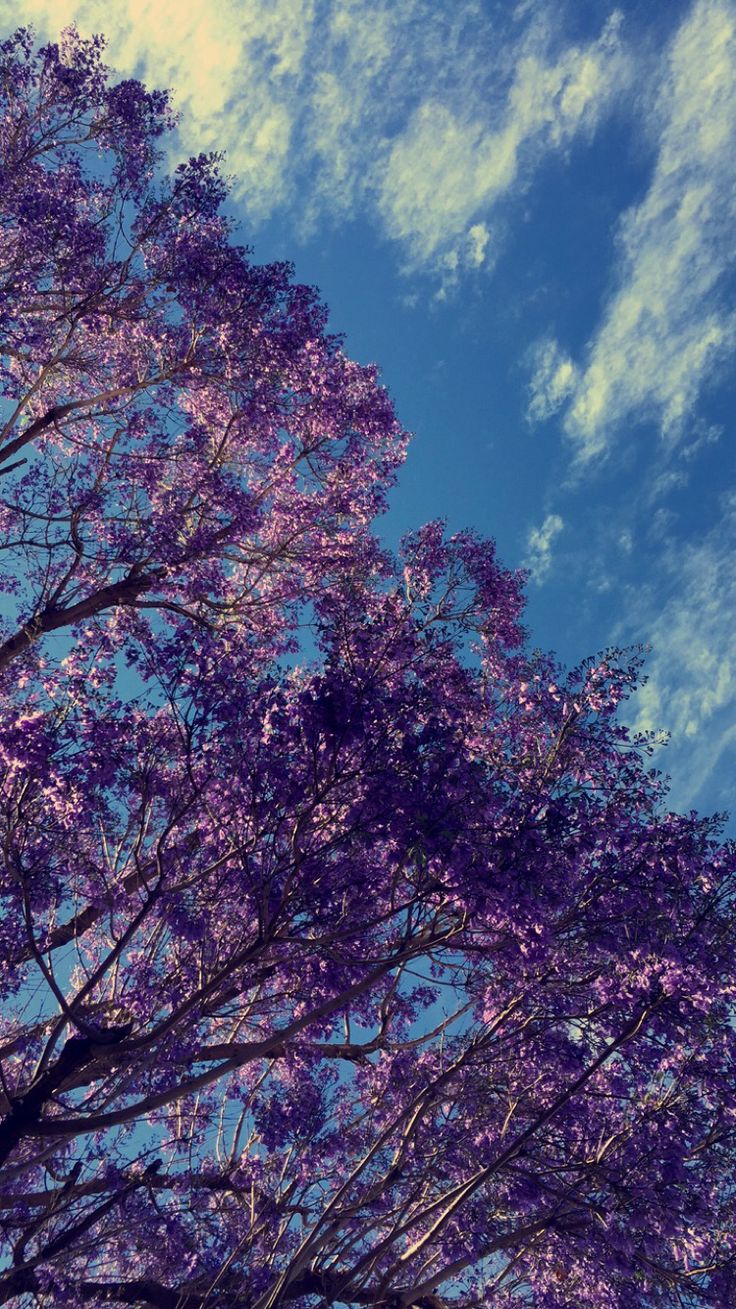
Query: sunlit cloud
point(554, 378)
point(478, 238)
point(539, 547)
point(691, 626)
point(457, 157)
point(668, 323)
point(325, 111)
point(233, 67)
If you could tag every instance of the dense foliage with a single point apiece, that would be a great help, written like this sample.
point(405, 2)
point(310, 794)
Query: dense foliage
point(371, 975)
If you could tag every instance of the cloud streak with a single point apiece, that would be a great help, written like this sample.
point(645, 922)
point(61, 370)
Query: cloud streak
point(324, 111)
point(691, 691)
point(668, 323)
point(539, 547)
point(451, 164)
point(555, 377)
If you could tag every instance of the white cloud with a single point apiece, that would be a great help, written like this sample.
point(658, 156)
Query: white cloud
point(554, 379)
point(454, 161)
point(233, 68)
point(478, 238)
point(661, 484)
point(323, 108)
point(668, 323)
point(701, 436)
point(539, 547)
point(691, 692)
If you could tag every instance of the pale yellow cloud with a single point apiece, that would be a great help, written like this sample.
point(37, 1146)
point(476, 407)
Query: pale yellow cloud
point(455, 161)
point(422, 116)
point(668, 324)
point(554, 378)
point(539, 547)
point(691, 691)
point(353, 87)
point(478, 238)
point(232, 66)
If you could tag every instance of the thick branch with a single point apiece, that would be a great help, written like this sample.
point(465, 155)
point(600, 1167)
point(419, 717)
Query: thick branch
point(123, 592)
point(25, 1110)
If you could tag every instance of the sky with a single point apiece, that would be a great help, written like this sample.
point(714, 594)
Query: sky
point(524, 213)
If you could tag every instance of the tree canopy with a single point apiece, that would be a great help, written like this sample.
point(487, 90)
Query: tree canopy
point(349, 953)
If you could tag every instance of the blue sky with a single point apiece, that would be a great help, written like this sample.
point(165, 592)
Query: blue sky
point(524, 213)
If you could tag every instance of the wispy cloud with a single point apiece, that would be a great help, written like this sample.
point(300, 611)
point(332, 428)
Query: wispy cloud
point(323, 108)
point(554, 378)
point(668, 324)
point(691, 692)
point(458, 157)
point(234, 68)
point(539, 547)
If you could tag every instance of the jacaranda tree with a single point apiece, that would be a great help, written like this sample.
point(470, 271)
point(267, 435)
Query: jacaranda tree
point(349, 954)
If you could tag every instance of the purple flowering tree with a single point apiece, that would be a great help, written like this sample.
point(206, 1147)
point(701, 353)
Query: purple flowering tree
point(378, 976)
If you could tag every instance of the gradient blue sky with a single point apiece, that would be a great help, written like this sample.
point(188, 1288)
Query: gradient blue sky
point(524, 213)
